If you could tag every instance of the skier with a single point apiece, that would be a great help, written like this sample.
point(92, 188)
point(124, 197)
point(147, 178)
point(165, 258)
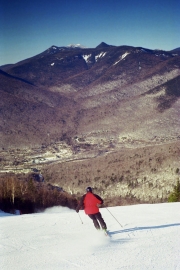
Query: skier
point(90, 202)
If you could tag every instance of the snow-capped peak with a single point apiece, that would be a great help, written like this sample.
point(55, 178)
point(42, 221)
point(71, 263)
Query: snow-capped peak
point(75, 46)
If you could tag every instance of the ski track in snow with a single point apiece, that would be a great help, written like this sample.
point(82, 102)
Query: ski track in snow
point(56, 239)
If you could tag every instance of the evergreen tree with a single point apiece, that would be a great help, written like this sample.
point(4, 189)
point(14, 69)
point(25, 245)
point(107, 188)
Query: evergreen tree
point(175, 195)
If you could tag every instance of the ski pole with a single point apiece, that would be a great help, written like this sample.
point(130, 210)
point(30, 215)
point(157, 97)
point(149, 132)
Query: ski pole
point(114, 218)
point(80, 218)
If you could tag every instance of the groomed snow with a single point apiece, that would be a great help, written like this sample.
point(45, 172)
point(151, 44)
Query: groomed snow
point(56, 239)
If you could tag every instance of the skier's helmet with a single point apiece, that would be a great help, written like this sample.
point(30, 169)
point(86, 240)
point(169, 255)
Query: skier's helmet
point(88, 189)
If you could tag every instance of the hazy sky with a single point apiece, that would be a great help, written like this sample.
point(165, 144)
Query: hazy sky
point(30, 27)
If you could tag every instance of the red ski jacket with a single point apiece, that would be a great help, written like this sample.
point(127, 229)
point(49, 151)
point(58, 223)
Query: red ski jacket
point(89, 203)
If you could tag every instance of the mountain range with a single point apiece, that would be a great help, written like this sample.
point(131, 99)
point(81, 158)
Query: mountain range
point(107, 116)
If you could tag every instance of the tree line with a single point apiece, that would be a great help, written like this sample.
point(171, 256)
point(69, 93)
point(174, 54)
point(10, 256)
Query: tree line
point(28, 195)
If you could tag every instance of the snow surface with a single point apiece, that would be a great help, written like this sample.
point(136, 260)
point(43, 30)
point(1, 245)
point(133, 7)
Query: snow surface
point(75, 46)
point(100, 55)
point(122, 57)
point(86, 57)
point(56, 239)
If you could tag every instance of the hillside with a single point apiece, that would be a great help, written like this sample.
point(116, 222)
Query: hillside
point(70, 112)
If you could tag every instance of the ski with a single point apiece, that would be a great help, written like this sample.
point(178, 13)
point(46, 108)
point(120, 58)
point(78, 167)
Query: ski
point(106, 232)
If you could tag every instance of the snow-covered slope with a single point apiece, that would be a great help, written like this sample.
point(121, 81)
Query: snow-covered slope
point(57, 239)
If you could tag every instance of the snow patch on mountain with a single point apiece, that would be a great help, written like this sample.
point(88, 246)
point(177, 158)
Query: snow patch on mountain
point(162, 54)
point(86, 57)
point(102, 54)
point(121, 58)
point(124, 55)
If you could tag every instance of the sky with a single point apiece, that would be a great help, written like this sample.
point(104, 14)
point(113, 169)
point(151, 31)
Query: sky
point(29, 27)
point(141, 237)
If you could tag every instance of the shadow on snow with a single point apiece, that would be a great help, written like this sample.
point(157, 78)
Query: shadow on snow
point(144, 228)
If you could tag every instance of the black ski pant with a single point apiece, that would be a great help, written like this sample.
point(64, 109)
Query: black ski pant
point(97, 218)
